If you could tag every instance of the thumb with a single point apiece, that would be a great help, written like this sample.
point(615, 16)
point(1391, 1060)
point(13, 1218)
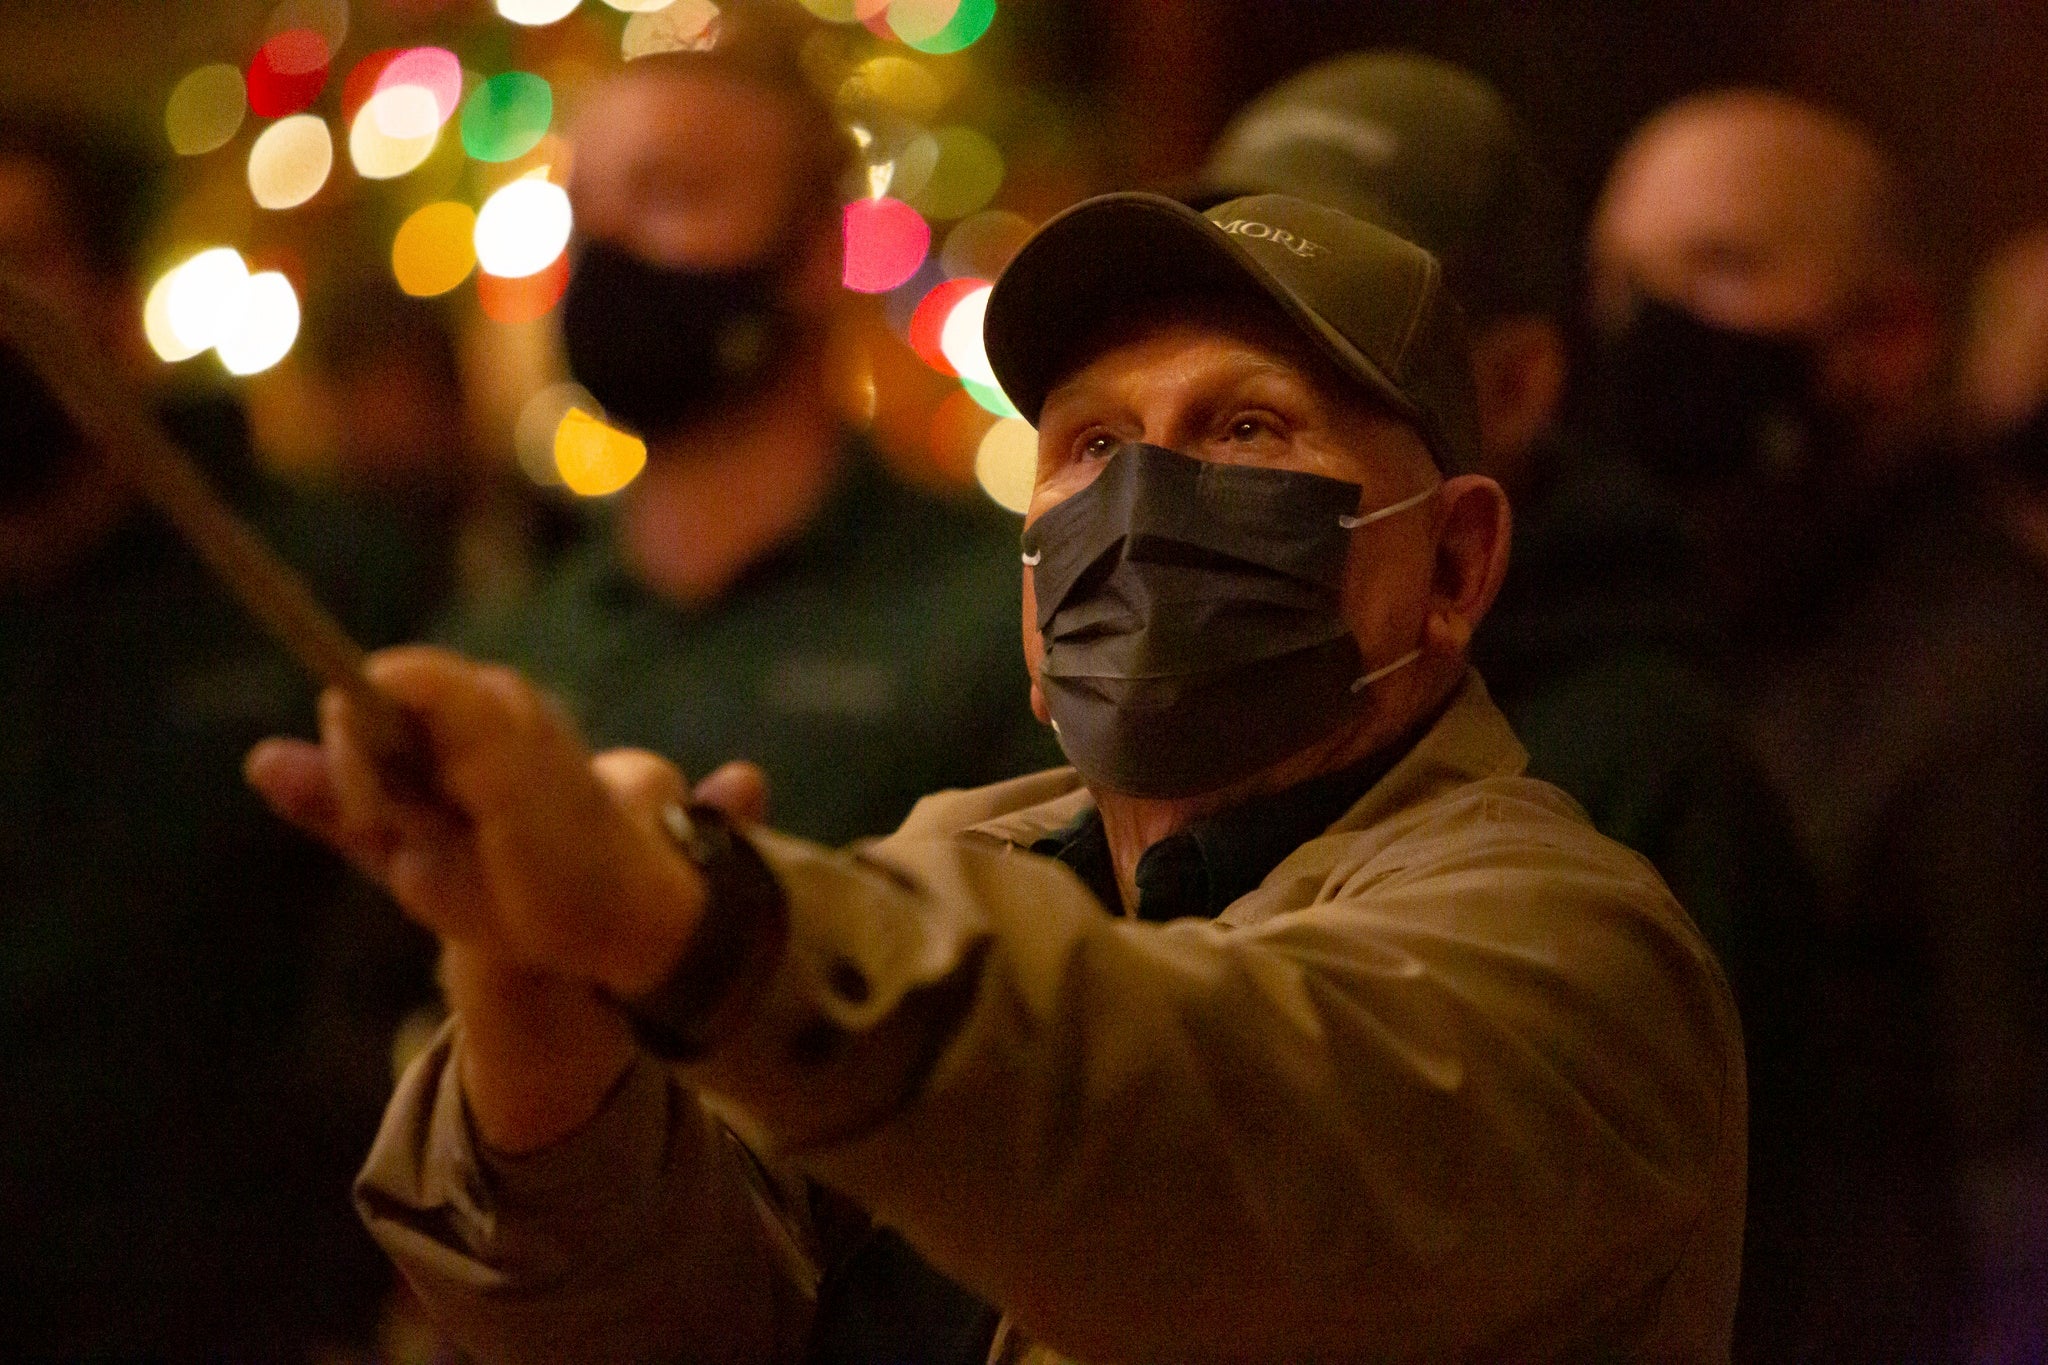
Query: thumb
point(740, 789)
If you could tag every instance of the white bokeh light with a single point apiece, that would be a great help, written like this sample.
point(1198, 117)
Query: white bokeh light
point(960, 338)
point(291, 161)
point(268, 326)
point(522, 228)
point(377, 154)
point(207, 298)
point(535, 13)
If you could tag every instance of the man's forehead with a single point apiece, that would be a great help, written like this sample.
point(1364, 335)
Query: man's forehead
point(677, 116)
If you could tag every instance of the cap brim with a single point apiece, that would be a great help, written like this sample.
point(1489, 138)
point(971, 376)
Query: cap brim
point(1114, 256)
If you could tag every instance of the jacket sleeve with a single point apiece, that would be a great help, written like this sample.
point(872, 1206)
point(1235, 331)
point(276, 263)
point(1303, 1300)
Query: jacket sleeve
point(1475, 1103)
point(650, 1234)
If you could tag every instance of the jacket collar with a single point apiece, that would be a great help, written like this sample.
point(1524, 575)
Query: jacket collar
point(1470, 740)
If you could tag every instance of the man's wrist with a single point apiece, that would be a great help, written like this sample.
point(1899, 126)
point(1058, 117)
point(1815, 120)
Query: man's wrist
point(732, 950)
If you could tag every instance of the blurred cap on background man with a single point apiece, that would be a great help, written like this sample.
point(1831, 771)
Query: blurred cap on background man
point(1420, 146)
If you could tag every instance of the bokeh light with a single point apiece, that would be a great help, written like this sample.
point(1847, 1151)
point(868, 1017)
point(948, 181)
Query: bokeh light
point(916, 21)
point(896, 83)
point(957, 426)
point(983, 244)
point(522, 227)
point(846, 11)
point(537, 13)
point(991, 398)
point(533, 434)
point(506, 116)
point(156, 322)
point(268, 326)
point(361, 82)
point(290, 162)
point(905, 169)
point(208, 295)
point(328, 18)
point(435, 70)
point(969, 173)
point(595, 458)
point(1006, 464)
point(963, 30)
point(526, 299)
point(886, 241)
point(435, 249)
point(960, 337)
point(928, 323)
point(685, 26)
point(205, 109)
point(375, 153)
point(288, 73)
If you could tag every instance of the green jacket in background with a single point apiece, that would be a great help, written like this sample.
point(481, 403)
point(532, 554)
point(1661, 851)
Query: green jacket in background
point(873, 659)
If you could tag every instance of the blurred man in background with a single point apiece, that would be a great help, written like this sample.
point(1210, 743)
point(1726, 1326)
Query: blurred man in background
point(1769, 352)
point(710, 619)
point(159, 927)
point(1594, 649)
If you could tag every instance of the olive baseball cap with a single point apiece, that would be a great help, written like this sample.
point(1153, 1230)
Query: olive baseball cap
point(1371, 302)
point(1424, 147)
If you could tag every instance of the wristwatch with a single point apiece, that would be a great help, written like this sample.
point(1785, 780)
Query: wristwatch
point(734, 950)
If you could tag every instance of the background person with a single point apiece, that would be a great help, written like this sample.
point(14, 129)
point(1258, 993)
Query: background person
point(1771, 354)
point(710, 617)
point(1421, 1061)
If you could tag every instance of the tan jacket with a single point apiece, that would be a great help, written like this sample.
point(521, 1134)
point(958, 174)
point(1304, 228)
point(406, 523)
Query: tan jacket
point(1459, 1081)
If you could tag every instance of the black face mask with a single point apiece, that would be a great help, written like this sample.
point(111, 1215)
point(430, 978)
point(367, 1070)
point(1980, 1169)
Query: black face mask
point(38, 443)
point(664, 348)
point(1700, 403)
point(1191, 619)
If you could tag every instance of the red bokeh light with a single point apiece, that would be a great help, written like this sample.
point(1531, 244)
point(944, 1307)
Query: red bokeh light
point(434, 69)
point(928, 323)
point(526, 299)
point(886, 241)
point(288, 73)
point(362, 81)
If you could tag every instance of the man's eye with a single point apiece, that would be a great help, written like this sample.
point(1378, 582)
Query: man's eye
point(1251, 429)
point(1097, 446)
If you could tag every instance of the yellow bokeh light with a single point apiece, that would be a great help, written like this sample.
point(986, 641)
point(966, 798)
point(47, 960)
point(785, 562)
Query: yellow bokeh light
point(205, 109)
point(595, 458)
point(540, 417)
point(207, 298)
point(376, 153)
point(969, 173)
point(1006, 463)
point(290, 162)
point(897, 83)
point(435, 249)
point(685, 26)
point(267, 328)
point(915, 21)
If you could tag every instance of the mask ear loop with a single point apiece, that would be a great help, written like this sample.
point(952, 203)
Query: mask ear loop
point(1353, 523)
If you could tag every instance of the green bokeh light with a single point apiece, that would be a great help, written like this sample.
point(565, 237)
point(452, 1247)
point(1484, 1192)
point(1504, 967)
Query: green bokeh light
point(506, 116)
point(991, 398)
point(969, 22)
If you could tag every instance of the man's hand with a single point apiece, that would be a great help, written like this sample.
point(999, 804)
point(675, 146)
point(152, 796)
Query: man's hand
point(531, 854)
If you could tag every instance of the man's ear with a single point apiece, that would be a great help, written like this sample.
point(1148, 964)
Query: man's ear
point(1518, 373)
point(1471, 560)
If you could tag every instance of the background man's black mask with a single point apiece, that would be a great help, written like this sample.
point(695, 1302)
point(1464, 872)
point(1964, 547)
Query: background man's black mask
point(1699, 403)
point(1190, 613)
point(663, 348)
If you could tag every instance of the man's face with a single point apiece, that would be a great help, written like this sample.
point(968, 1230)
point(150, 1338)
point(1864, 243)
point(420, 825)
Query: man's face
point(685, 170)
point(1241, 392)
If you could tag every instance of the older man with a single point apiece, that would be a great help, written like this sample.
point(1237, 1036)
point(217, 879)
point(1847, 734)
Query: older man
point(1291, 1024)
